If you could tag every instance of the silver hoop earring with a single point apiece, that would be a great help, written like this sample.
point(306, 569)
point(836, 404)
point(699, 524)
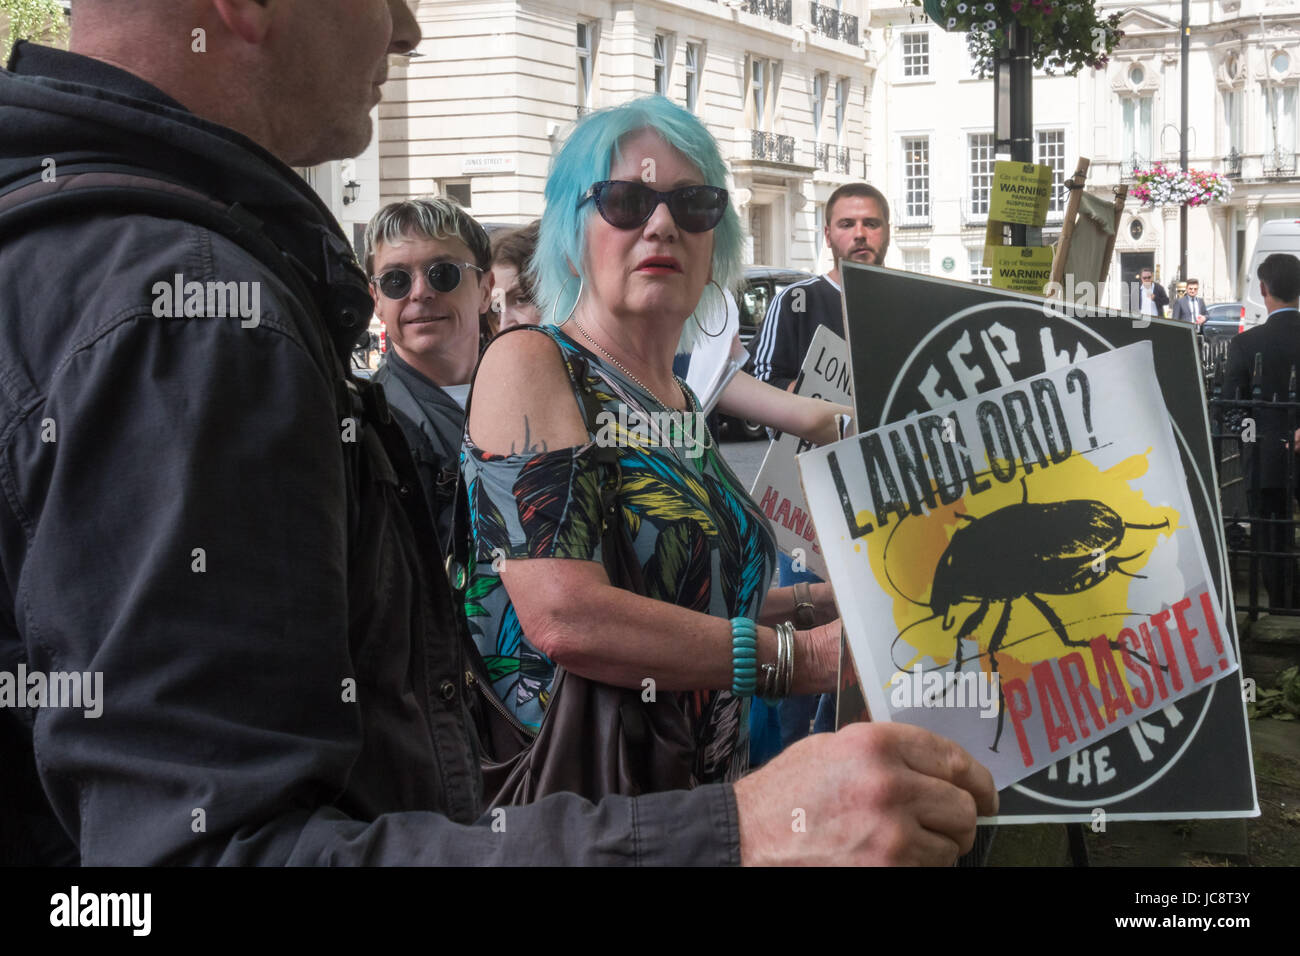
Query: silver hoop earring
point(560, 295)
point(703, 330)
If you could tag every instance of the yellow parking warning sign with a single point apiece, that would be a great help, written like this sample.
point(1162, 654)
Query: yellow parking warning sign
point(1021, 193)
point(1021, 268)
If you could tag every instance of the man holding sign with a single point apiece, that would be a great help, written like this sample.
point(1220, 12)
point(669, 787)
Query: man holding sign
point(857, 229)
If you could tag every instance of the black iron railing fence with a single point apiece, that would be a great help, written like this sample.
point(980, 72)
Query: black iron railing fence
point(1279, 162)
point(1254, 447)
point(833, 23)
point(832, 158)
point(1232, 163)
point(778, 10)
point(771, 147)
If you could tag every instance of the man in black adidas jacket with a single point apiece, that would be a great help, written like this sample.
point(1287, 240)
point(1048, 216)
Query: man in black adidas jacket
point(194, 506)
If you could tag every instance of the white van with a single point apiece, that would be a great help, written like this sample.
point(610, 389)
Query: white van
point(1276, 235)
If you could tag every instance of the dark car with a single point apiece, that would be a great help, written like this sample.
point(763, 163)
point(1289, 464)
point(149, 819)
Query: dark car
point(762, 285)
point(1223, 321)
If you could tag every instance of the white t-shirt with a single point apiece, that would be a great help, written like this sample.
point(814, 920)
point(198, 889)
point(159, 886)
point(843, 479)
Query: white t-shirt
point(458, 394)
point(1148, 300)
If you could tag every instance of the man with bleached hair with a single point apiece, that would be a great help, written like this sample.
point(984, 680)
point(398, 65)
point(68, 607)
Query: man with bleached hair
point(429, 265)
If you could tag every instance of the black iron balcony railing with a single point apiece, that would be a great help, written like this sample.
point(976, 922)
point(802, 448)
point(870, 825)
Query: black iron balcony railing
point(1232, 163)
point(778, 10)
point(830, 22)
point(1279, 163)
point(1129, 168)
point(833, 159)
point(772, 147)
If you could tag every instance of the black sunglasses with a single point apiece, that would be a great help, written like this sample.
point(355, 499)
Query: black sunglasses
point(441, 276)
point(628, 205)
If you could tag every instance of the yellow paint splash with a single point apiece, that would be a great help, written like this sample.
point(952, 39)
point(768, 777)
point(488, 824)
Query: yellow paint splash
point(905, 556)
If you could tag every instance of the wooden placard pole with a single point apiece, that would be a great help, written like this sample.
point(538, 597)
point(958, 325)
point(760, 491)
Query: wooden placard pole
point(1121, 194)
point(1075, 184)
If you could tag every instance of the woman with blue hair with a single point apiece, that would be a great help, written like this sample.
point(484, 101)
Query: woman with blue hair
point(637, 244)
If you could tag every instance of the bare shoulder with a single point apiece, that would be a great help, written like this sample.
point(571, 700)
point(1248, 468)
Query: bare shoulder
point(522, 401)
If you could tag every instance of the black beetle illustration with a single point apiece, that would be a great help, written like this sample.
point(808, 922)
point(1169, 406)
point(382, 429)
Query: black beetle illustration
point(1024, 551)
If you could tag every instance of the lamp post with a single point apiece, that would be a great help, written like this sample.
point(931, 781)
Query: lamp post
point(1186, 31)
point(1013, 103)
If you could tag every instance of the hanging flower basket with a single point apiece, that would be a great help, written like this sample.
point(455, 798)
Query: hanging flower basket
point(1164, 186)
point(1065, 36)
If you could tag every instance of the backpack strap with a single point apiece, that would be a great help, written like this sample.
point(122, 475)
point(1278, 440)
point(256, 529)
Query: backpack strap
point(332, 291)
point(94, 188)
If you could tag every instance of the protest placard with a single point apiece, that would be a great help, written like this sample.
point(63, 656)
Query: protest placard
point(1032, 548)
point(824, 374)
point(917, 343)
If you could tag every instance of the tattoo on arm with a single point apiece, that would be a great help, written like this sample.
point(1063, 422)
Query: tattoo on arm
point(530, 447)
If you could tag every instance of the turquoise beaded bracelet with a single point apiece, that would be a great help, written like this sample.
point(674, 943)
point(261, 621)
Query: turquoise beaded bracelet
point(744, 657)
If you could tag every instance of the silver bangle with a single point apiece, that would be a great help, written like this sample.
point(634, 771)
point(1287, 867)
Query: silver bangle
point(789, 670)
point(785, 659)
point(789, 659)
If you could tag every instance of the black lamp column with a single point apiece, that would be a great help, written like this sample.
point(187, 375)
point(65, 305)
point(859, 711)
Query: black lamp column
point(1013, 103)
point(1182, 143)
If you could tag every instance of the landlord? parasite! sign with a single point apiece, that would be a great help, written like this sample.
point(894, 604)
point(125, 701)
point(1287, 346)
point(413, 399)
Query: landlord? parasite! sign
point(1020, 571)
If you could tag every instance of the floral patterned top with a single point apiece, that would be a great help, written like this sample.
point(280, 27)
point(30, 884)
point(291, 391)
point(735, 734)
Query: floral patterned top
point(702, 542)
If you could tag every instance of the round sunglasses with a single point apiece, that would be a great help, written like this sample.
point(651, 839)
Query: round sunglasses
point(441, 276)
point(628, 205)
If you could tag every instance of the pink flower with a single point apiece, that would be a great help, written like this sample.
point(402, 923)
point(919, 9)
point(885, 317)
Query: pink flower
point(1016, 7)
point(1047, 10)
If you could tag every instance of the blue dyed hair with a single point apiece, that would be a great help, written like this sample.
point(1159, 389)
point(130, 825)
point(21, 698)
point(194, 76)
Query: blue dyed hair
point(585, 159)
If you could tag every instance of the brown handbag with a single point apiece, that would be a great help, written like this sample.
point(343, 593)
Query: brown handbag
point(595, 739)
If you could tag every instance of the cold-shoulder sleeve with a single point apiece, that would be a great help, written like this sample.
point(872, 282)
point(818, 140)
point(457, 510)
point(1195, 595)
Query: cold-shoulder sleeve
point(541, 506)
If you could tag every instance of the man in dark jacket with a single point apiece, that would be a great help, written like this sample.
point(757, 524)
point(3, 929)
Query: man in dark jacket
point(1190, 308)
point(429, 264)
point(198, 508)
point(1277, 342)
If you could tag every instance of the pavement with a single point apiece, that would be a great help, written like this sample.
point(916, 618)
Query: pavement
point(745, 458)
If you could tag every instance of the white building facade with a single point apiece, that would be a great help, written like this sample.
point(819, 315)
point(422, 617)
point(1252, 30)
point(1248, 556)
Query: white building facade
point(933, 135)
point(783, 85)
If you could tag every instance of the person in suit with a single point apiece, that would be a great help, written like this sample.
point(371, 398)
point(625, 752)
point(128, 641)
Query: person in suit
point(1271, 461)
point(1190, 308)
point(1148, 297)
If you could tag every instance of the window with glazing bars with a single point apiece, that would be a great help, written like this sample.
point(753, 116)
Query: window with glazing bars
point(1049, 147)
point(916, 54)
point(916, 177)
point(981, 172)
